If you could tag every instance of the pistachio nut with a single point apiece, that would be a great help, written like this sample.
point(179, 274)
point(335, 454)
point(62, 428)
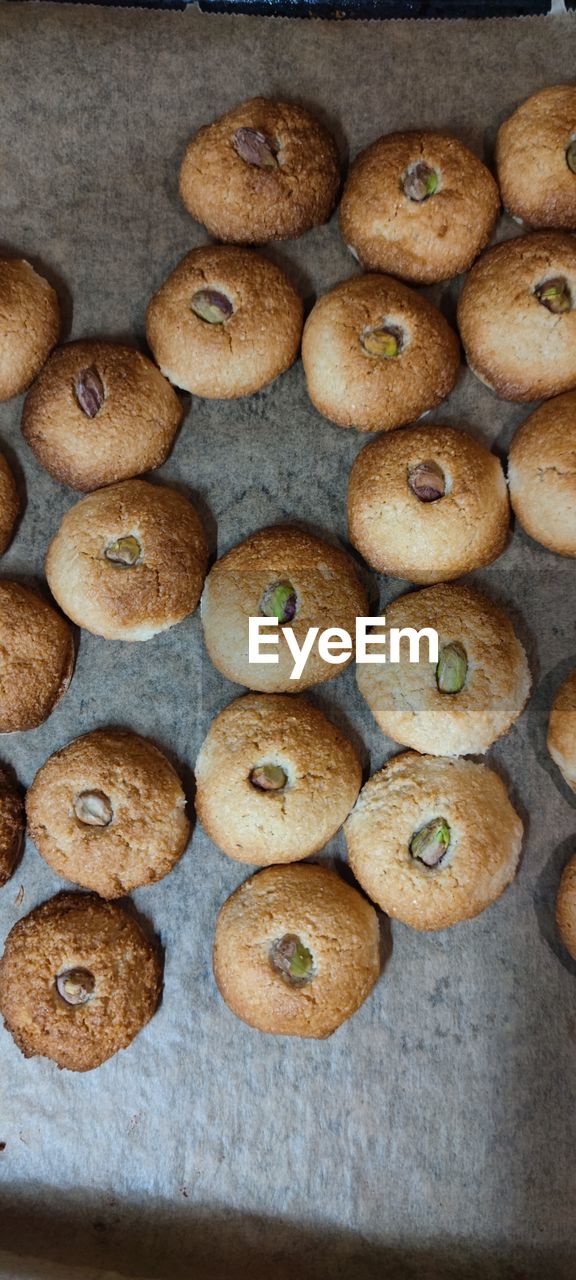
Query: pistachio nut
point(269, 777)
point(75, 986)
point(555, 295)
point(89, 391)
point(420, 182)
point(292, 960)
point(255, 148)
point(125, 552)
point(430, 844)
point(279, 601)
point(93, 809)
point(571, 155)
point(427, 481)
point(452, 668)
point(383, 340)
point(212, 306)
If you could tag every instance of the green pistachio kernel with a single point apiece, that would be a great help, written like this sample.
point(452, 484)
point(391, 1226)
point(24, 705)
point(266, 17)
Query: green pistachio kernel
point(125, 552)
point(384, 341)
point(420, 182)
point(555, 295)
point(430, 844)
point(571, 155)
point(292, 960)
point(75, 986)
point(211, 306)
point(269, 777)
point(452, 668)
point(279, 601)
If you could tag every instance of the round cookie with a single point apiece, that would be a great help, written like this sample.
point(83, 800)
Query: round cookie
point(427, 504)
point(562, 729)
point(128, 561)
point(566, 907)
point(287, 574)
point(264, 171)
point(36, 658)
point(29, 325)
point(296, 951)
point(377, 355)
point(12, 824)
point(9, 504)
point(517, 317)
point(275, 779)
point(536, 159)
point(108, 812)
point(475, 692)
point(433, 841)
point(100, 412)
point(542, 474)
point(225, 323)
point(78, 981)
point(418, 205)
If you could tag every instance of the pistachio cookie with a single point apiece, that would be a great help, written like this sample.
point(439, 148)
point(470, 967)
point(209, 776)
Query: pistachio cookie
point(562, 729)
point(275, 779)
point(9, 504)
point(566, 907)
point(296, 951)
point(517, 317)
point(536, 159)
point(78, 981)
point(100, 412)
point(285, 574)
point(542, 474)
point(377, 355)
point(29, 325)
point(12, 823)
point(36, 658)
point(225, 323)
point(128, 561)
point(264, 171)
point(471, 696)
point(418, 205)
point(108, 812)
point(433, 841)
point(427, 504)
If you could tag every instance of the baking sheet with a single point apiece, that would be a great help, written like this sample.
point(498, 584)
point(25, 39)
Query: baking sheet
point(434, 1134)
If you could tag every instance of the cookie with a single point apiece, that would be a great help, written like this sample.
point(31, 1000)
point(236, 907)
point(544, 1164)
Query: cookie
point(296, 951)
point(287, 574)
point(274, 779)
point(536, 159)
point(562, 729)
point(264, 171)
point(542, 474)
point(376, 355)
point(78, 981)
point(427, 504)
point(29, 325)
point(100, 412)
point(36, 658)
point(566, 907)
point(12, 824)
point(108, 812)
point(128, 561)
point(433, 841)
point(9, 504)
point(517, 317)
point(418, 205)
point(475, 692)
point(225, 323)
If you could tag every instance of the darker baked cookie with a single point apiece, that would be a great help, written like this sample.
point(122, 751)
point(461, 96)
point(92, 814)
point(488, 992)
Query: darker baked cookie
point(29, 325)
point(12, 824)
point(9, 504)
point(37, 657)
point(536, 159)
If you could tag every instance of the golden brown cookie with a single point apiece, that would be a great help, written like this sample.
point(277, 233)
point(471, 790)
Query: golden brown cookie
point(225, 323)
point(275, 779)
point(29, 325)
point(287, 574)
point(78, 981)
point(542, 474)
point(100, 412)
point(108, 812)
point(517, 317)
point(264, 171)
point(536, 159)
point(418, 205)
point(128, 561)
point(475, 692)
point(12, 824)
point(36, 658)
point(433, 841)
point(562, 729)
point(566, 907)
point(9, 504)
point(296, 951)
point(377, 355)
point(427, 504)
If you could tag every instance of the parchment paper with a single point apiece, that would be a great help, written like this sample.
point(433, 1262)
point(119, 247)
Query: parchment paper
point(433, 1135)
